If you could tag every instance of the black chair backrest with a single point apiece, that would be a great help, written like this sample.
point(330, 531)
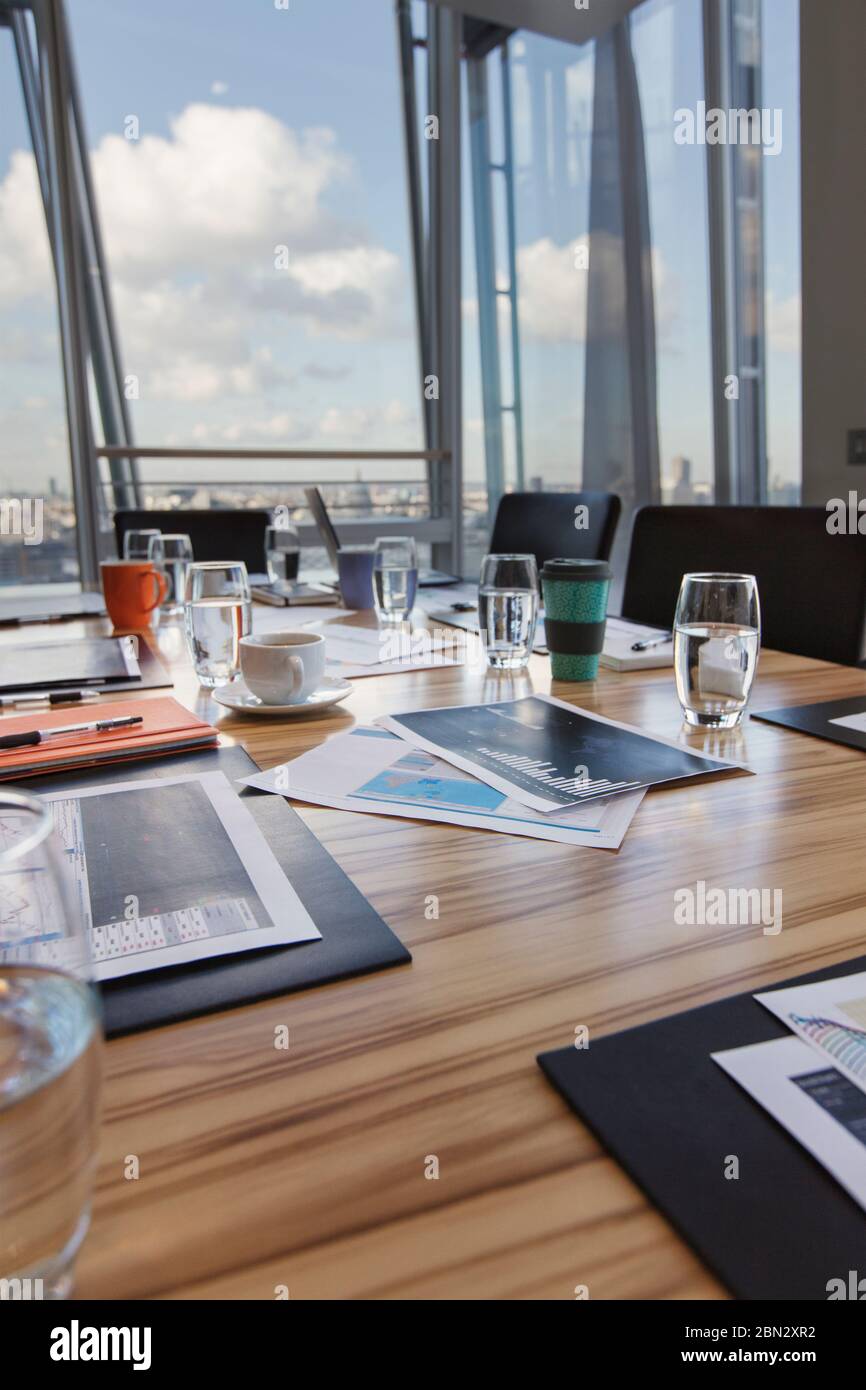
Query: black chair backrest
point(543, 524)
point(812, 585)
point(215, 534)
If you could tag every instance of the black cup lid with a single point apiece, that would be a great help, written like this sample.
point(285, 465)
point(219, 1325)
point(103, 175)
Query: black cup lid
point(576, 569)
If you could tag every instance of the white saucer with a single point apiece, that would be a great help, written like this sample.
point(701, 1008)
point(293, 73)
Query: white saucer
point(238, 697)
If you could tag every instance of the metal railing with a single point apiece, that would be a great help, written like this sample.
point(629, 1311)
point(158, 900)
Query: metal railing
point(436, 530)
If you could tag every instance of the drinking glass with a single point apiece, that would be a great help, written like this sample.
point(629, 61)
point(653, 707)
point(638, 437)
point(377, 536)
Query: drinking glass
point(171, 552)
point(217, 613)
point(395, 578)
point(508, 609)
point(717, 634)
point(282, 553)
point(50, 1053)
point(136, 544)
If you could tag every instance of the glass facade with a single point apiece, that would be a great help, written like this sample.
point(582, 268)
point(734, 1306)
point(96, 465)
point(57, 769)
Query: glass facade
point(271, 255)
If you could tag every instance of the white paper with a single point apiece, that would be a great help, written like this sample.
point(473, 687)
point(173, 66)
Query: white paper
point(370, 770)
point(364, 651)
point(814, 1102)
point(268, 618)
point(830, 1016)
point(211, 923)
point(619, 635)
point(852, 721)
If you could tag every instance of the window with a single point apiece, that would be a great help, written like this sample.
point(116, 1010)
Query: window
point(249, 173)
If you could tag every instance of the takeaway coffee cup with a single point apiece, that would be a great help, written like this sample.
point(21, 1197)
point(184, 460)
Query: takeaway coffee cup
point(283, 668)
point(575, 608)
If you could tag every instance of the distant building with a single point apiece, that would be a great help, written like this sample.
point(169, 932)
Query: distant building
point(682, 492)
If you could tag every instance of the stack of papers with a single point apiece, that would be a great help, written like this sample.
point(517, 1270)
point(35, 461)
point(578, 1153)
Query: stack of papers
point(814, 1082)
point(535, 767)
point(370, 769)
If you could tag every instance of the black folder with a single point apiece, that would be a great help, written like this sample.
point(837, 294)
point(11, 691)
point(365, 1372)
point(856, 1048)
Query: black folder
point(354, 941)
point(818, 719)
point(672, 1117)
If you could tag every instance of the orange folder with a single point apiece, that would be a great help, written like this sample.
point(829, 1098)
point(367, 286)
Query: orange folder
point(166, 727)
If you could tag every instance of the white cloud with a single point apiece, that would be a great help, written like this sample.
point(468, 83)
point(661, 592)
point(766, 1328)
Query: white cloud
point(393, 425)
point(552, 287)
point(219, 89)
point(191, 222)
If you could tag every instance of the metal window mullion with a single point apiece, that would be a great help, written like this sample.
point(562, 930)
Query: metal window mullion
point(485, 275)
point(107, 369)
point(443, 280)
point(511, 230)
point(71, 298)
point(739, 425)
point(409, 93)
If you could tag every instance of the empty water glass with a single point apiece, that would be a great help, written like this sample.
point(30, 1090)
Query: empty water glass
point(395, 578)
point(136, 544)
point(508, 609)
point(717, 634)
point(218, 612)
point(282, 555)
point(50, 1051)
point(171, 553)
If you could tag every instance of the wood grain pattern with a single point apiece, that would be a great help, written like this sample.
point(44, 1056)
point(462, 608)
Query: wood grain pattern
point(306, 1168)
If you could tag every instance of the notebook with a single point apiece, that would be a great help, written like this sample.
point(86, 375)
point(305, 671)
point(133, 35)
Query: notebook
point(166, 727)
point(619, 636)
point(86, 661)
point(49, 608)
point(299, 593)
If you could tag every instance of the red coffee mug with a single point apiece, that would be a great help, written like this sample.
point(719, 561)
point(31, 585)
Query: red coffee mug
point(132, 589)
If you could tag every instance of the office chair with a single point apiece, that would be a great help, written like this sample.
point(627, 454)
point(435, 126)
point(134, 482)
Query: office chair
point(542, 524)
point(812, 585)
point(215, 534)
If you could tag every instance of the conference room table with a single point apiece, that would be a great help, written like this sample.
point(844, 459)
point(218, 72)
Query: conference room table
point(307, 1170)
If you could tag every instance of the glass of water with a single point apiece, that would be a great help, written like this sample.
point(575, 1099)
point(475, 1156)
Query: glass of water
point(282, 554)
point(395, 578)
point(136, 544)
point(218, 612)
point(50, 1054)
point(717, 634)
point(171, 552)
point(508, 609)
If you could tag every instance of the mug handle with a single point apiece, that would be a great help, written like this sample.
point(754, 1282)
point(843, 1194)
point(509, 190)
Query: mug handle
point(296, 666)
point(161, 589)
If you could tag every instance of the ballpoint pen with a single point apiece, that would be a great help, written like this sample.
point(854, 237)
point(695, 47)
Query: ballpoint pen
point(651, 642)
point(98, 726)
point(48, 698)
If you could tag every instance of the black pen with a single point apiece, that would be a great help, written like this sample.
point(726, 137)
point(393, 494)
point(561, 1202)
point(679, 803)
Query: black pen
point(651, 642)
point(99, 726)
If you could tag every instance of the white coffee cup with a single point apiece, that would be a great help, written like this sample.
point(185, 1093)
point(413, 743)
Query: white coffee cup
point(283, 668)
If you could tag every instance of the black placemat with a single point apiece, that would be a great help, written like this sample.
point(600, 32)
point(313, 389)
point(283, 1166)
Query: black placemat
point(672, 1117)
point(354, 941)
point(816, 720)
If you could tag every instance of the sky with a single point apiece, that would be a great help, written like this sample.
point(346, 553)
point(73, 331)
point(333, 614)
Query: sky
point(262, 128)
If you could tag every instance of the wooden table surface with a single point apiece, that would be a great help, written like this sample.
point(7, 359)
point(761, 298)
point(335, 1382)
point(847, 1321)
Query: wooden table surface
point(305, 1168)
